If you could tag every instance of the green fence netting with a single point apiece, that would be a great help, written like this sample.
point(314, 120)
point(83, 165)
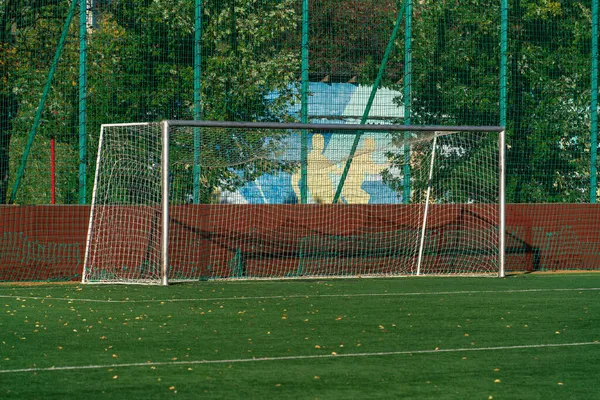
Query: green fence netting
point(66, 67)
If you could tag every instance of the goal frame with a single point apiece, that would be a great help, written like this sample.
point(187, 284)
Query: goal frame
point(165, 128)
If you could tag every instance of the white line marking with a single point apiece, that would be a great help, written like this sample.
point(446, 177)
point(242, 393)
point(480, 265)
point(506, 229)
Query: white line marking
point(300, 296)
point(307, 357)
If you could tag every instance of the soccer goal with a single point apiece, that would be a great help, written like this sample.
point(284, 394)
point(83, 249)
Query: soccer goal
point(197, 200)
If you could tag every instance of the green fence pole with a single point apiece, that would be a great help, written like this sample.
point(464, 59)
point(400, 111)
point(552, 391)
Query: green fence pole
point(304, 107)
point(197, 99)
point(82, 101)
point(594, 106)
point(503, 59)
point(407, 97)
point(38, 114)
point(365, 116)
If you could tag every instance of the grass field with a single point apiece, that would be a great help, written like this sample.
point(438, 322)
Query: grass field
point(526, 336)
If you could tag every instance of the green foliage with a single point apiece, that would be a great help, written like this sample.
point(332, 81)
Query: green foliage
point(548, 159)
point(348, 39)
point(465, 168)
point(229, 158)
point(30, 34)
point(141, 68)
point(455, 81)
point(245, 62)
point(456, 62)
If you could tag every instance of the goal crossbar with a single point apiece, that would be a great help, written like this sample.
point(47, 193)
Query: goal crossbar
point(336, 128)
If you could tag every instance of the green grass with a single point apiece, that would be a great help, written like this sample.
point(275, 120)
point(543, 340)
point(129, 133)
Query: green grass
point(366, 338)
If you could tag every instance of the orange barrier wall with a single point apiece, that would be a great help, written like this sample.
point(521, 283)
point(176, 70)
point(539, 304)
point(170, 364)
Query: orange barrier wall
point(48, 242)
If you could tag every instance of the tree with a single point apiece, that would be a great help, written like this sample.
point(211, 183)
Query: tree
point(150, 77)
point(455, 81)
point(8, 102)
point(549, 102)
point(140, 68)
point(29, 32)
point(348, 39)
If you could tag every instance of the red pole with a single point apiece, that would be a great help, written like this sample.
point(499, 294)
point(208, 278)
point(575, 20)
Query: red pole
point(52, 172)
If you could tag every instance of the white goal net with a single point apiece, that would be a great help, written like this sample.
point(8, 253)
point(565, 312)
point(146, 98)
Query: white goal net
point(185, 200)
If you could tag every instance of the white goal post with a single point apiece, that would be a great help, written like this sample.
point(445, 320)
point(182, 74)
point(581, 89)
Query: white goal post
point(195, 200)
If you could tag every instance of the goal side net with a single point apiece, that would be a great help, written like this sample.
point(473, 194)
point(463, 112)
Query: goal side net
point(197, 200)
